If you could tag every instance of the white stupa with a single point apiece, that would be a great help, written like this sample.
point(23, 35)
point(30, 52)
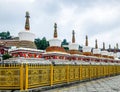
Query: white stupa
point(26, 38)
point(110, 54)
point(116, 52)
point(55, 51)
point(73, 47)
point(55, 43)
point(86, 48)
point(96, 50)
point(26, 35)
point(26, 46)
point(104, 52)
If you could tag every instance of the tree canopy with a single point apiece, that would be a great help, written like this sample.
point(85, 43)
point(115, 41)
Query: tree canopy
point(6, 56)
point(5, 35)
point(41, 44)
point(64, 42)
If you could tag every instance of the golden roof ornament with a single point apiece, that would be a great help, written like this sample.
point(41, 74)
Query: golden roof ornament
point(73, 36)
point(27, 25)
point(55, 30)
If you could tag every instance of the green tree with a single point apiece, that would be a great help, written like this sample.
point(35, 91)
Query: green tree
point(37, 43)
point(80, 47)
point(6, 56)
point(41, 43)
point(44, 43)
point(5, 35)
point(64, 42)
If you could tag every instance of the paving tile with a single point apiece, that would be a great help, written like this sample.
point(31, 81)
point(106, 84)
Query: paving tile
point(111, 84)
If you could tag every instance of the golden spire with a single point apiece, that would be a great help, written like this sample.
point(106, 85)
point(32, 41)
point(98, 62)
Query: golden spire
point(27, 25)
point(109, 47)
point(96, 45)
point(55, 30)
point(117, 47)
point(73, 36)
point(86, 42)
point(103, 46)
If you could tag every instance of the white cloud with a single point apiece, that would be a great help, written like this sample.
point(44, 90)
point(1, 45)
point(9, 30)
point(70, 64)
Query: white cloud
point(105, 16)
point(19, 1)
point(97, 19)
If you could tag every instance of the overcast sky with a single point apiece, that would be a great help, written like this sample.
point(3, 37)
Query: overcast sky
point(99, 19)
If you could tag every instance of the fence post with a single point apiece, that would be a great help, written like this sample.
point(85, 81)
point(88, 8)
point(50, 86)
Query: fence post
point(90, 72)
point(80, 72)
point(21, 77)
point(67, 73)
point(26, 77)
point(51, 75)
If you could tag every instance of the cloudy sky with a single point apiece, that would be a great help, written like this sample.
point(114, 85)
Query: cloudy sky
point(99, 19)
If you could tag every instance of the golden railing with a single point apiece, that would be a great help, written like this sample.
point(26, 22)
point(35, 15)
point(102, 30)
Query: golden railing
point(28, 76)
point(38, 75)
point(59, 74)
point(74, 73)
point(11, 76)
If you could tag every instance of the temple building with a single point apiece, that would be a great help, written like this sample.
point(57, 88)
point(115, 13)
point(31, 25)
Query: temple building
point(26, 47)
point(3, 49)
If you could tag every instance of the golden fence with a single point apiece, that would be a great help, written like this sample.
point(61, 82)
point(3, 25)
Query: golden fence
point(28, 76)
point(11, 76)
point(38, 75)
point(59, 74)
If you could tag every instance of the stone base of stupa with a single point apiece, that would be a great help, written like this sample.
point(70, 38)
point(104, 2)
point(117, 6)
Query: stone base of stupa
point(27, 44)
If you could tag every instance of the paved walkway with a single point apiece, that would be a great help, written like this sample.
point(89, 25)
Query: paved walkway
point(111, 84)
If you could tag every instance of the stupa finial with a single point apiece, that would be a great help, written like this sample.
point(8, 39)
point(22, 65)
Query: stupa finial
point(73, 36)
point(117, 47)
point(103, 46)
point(27, 25)
point(96, 45)
point(55, 30)
point(86, 42)
point(109, 47)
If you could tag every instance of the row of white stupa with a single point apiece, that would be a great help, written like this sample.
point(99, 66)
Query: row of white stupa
point(26, 35)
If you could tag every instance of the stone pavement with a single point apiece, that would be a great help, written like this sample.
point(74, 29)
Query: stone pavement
point(111, 84)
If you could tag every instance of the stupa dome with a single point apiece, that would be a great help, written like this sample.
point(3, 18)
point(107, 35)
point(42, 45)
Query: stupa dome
point(55, 42)
point(26, 36)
